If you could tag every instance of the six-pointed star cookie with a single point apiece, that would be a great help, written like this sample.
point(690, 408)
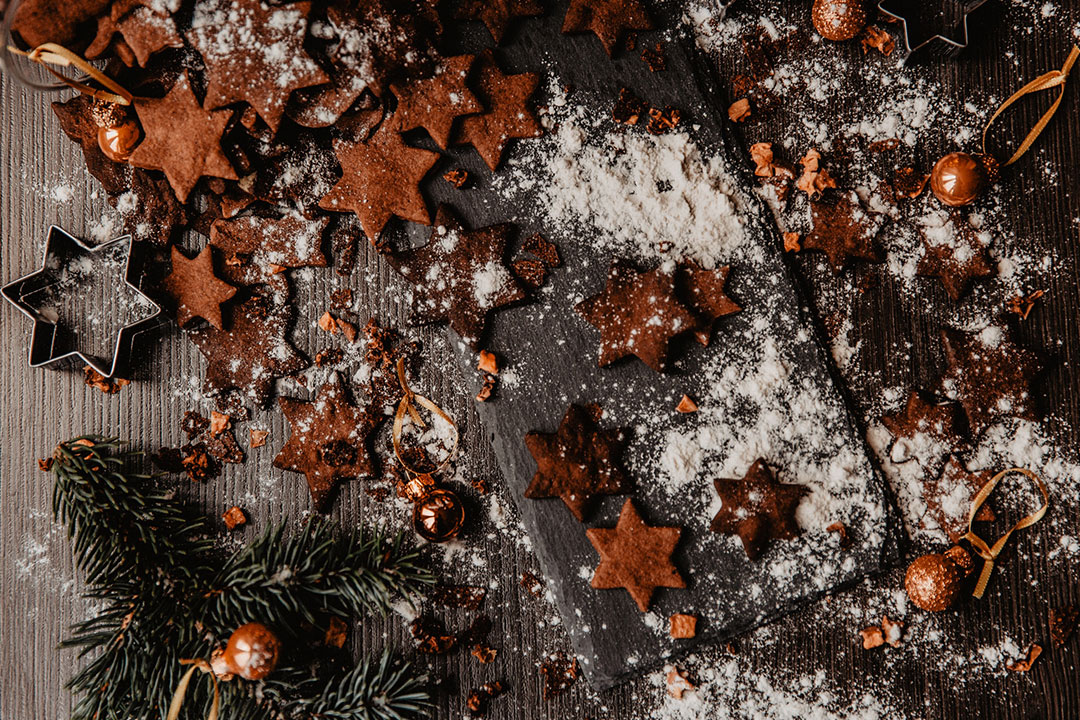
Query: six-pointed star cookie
point(182, 139)
point(508, 115)
point(955, 253)
point(925, 431)
point(609, 19)
point(990, 376)
point(254, 352)
point(459, 276)
point(328, 441)
point(637, 314)
point(843, 230)
point(434, 103)
point(577, 462)
point(380, 179)
point(497, 14)
point(948, 497)
point(635, 556)
point(757, 508)
point(253, 53)
point(196, 290)
point(289, 240)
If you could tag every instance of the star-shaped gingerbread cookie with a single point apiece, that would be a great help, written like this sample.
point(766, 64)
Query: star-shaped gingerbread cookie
point(508, 115)
point(254, 352)
point(459, 276)
point(703, 292)
point(577, 462)
point(635, 556)
point(380, 179)
point(329, 440)
point(948, 497)
point(182, 139)
point(497, 14)
point(990, 375)
point(434, 103)
point(289, 240)
point(253, 53)
point(758, 509)
point(925, 431)
point(843, 230)
point(637, 314)
point(608, 19)
point(196, 290)
point(145, 30)
point(955, 254)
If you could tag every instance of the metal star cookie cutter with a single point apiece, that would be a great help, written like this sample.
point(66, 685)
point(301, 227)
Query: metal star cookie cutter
point(56, 298)
point(902, 10)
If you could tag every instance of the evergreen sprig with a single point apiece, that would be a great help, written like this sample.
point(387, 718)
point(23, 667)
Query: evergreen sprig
point(167, 593)
point(314, 574)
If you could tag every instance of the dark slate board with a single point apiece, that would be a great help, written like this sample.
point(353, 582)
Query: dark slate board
point(552, 352)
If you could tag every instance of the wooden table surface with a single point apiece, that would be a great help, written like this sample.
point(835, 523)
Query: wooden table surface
point(39, 592)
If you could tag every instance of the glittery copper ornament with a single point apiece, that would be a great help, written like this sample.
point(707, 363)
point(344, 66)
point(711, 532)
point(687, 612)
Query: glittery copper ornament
point(958, 178)
point(252, 651)
point(839, 19)
point(934, 582)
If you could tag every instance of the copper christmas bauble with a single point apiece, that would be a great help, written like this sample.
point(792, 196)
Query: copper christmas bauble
point(252, 651)
point(934, 582)
point(839, 19)
point(438, 516)
point(958, 178)
point(118, 141)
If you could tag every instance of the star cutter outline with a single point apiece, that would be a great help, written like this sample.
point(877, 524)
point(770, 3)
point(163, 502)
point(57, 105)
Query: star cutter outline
point(952, 46)
point(44, 351)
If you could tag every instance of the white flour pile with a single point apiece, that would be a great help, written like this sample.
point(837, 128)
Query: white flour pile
point(636, 195)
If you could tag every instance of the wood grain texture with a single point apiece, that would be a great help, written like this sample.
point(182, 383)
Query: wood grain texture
point(39, 591)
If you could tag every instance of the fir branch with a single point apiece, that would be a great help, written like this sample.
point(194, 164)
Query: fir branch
point(119, 528)
point(166, 595)
point(318, 572)
point(388, 689)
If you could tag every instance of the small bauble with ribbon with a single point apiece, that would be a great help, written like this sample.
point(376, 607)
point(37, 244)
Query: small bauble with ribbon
point(934, 582)
point(960, 178)
point(438, 513)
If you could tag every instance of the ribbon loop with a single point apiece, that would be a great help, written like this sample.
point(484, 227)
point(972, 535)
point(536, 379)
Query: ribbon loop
point(1046, 81)
point(182, 687)
point(987, 552)
point(48, 54)
point(409, 401)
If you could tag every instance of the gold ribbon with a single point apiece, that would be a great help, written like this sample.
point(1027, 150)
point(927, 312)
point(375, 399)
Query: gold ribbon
point(989, 553)
point(409, 401)
point(1046, 81)
point(181, 689)
point(49, 54)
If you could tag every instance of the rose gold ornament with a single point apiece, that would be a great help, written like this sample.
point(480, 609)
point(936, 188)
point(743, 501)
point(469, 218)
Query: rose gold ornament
point(934, 581)
point(958, 178)
point(252, 651)
point(839, 20)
